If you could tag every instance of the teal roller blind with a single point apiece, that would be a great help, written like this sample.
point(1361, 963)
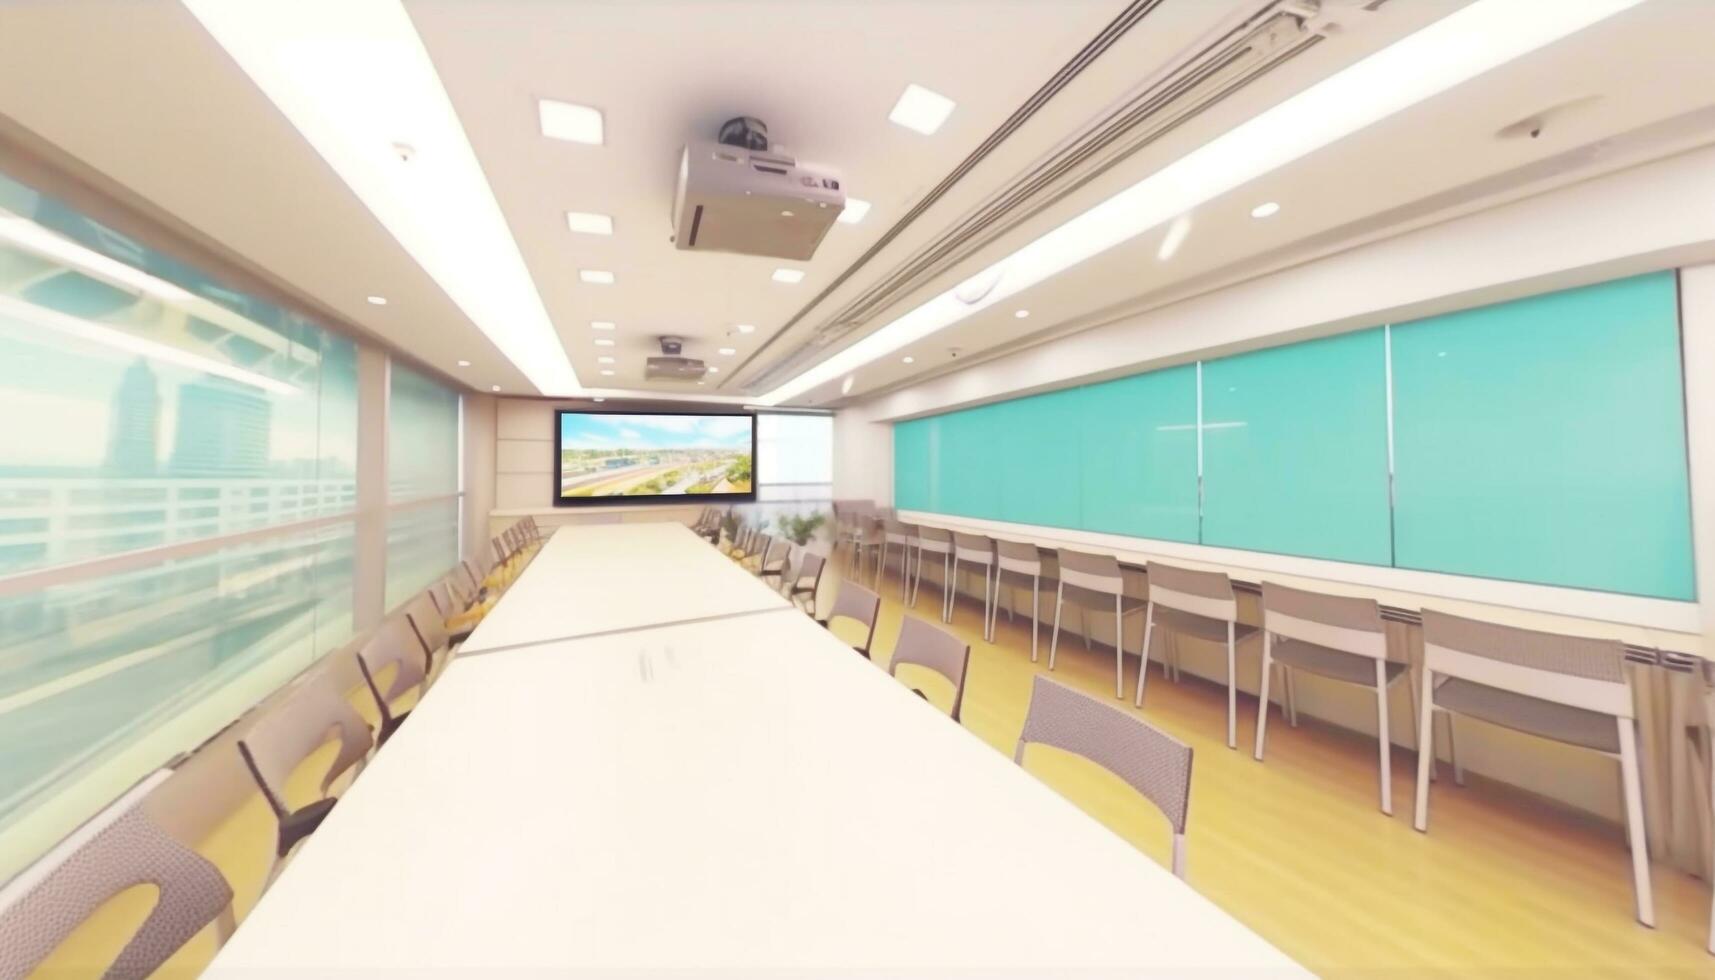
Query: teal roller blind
point(1295, 449)
point(1543, 440)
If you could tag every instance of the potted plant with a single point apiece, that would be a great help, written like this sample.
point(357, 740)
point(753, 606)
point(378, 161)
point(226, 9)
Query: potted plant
point(800, 528)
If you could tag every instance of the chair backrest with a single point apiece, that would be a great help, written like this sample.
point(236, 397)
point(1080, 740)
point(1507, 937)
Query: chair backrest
point(442, 595)
point(973, 548)
point(936, 540)
point(932, 647)
point(856, 603)
point(809, 573)
point(1345, 623)
point(1098, 573)
point(899, 533)
point(1152, 762)
point(1206, 594)
point(1017, 556)
point(1583, 672)
point(118, 849)
point(428, 624)
point(500, 551)
point(778, 552)
point(290, 731)
point(392, 645)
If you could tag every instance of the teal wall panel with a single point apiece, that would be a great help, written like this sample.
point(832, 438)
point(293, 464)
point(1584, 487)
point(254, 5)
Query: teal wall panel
point(1543, 440)
point(1139, 439)
point(1295, 450)
point(1040, 463)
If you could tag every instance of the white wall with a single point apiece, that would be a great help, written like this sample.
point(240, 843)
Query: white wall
point(863, 457)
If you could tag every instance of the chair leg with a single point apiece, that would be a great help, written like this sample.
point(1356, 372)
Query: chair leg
point(1179, 856)
point(1054, 637)
point(1425, 754)
point(1289, 681)
point(917, 583)
point(1384, 738)
point(988, 606)
point(949, 587)
point(1143, 669)
point(1035, 602)
point(1453, 751)
point(1635, 821)
point(1119, 651)
point(1084, 627)
point(1262, 695)
point(1232, 691)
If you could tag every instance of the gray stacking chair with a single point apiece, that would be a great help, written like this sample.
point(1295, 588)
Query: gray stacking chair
point(870, 545)
point(760, 546)
point(430, 628)
point(774, 559)
point(1201, 605)
point(934, 544)
point(1095, 583)
point(1338, 637)
point(392, 657)
point(930, 646)
point(288, 734)
point(1571, 689)
point(861, 606)
point(904, 538)
point(1155, 764)
point(1019, 566)
point(118, 849)
point(806, 582)
point(978, 552)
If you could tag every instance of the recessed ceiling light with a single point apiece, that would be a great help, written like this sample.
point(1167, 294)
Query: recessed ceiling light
point(603, 342)
point(601, 324)
point(728, 351)
point(1267, 209)
point(1020, 314)
point(854, 212)
point(585, 223)
point(493, 387)
point(746, 328)
point(596, 277)
point(714, 370)
point(1465, 44)
point(846, 385)
point(464, 364)
point(1175, 237)
point(908, 359)
point(606, 373)
point(789, 275)
point(921, 110)
point(377, 300)
point(599, 399)
point(702, 382)
point(570, 122)
point(786, 214)
point(604, 360)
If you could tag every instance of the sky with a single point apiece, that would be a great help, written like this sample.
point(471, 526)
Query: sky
point(578, 431)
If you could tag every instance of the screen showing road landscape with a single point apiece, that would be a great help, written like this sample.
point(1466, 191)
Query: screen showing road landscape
point(613, 455)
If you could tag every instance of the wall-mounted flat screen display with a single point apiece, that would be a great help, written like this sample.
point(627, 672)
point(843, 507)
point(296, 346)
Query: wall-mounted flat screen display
point(600, 456)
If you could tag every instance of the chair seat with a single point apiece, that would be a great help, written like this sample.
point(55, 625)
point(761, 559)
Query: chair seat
point(1328, 662)
point(1534, 716)
point(1200, 627)
point(301, 823)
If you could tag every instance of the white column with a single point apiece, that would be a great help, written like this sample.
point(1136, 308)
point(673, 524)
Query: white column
point(369, 569)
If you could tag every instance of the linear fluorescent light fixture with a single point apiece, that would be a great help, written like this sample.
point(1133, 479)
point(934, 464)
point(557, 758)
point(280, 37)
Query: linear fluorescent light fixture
point(570, 122)
point(596, 277)
point(1455, 49)
point(789, 276)
point(354, 78)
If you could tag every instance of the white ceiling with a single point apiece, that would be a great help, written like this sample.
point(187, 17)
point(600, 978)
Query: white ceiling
point(136, 90)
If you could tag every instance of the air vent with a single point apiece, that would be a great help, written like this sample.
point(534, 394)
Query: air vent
point(1277, 32)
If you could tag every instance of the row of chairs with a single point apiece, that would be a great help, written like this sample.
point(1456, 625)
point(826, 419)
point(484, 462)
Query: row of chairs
point(123, 847)
point(1152, 762)
point(1566, 688)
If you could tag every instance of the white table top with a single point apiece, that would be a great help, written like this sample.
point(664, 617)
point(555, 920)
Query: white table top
point(737, 794)
point(599, 578)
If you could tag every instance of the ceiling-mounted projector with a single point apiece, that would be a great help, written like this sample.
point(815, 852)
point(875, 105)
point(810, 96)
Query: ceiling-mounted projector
point(672, 365)
point(736, 195)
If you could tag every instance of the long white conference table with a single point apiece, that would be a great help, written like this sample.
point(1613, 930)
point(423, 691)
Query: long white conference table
point(732, 791)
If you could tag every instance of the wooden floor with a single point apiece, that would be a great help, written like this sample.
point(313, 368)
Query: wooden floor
point(1298, 849)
